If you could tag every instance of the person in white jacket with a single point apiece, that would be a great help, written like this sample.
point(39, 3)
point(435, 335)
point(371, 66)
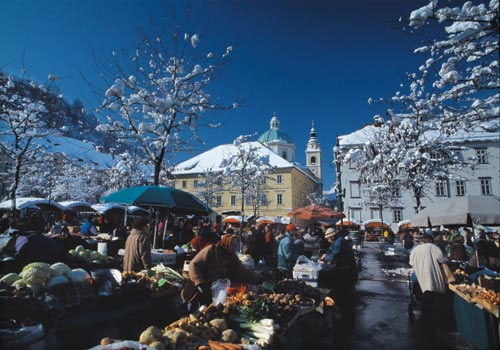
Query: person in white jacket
point(427, 259)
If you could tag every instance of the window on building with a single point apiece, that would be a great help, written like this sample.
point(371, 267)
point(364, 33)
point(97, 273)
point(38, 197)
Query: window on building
point(485, 183)
point(195, 183)
point(356, 214)
point(233, 200)
point(218, 201)
point(284, 155)
point(396, 192)
point(354, 187)
point(184, 183)
point(279, 179)
point(279, 198)
point(481, 156)
point(397, 215)
point(218, 181)
point(460, 187)
point(375, 213)
point(248, 200)
point(441, 188)
point(313, 160)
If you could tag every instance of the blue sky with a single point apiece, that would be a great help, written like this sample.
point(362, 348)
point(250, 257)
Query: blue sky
point(304, 60)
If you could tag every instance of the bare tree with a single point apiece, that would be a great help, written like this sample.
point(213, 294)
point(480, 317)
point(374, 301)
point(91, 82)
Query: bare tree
point(158, 93)
point(245, 167)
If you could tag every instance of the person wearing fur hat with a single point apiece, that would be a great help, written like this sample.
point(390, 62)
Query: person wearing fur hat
point(286, 252)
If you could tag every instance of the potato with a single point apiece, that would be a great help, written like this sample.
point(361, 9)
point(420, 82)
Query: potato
point(229, 336)
point(106, 341)
point(158, 345)
point(219, 323)
point(150, 335)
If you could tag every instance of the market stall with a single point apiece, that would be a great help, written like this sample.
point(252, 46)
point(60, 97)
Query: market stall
point(266, 317)
point(476, 309)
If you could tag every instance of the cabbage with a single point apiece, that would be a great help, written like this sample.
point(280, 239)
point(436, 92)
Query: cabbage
point(80, 248)
point(34, 288)
point(95, 255)
point(73, 253)
point(10, 278)
point(54, 281)
point(19, 284)
point(36, 274)
point(59, 269)
point(78, 276)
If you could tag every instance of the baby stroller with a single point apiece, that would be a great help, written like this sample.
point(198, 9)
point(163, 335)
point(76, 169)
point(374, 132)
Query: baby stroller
point(416, 295)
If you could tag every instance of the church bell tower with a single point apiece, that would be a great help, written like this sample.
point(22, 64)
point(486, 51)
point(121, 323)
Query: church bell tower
point(313, 153)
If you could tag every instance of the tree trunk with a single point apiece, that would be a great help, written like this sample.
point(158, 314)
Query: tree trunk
point(15, 185)
point(158, 161)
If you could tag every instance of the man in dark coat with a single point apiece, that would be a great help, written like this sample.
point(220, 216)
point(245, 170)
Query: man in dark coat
point(137, 248)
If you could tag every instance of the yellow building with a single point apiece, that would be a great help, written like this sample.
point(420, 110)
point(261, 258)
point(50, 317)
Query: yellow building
point(286, 187)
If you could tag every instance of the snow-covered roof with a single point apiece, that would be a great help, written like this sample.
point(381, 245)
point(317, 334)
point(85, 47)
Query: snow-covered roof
point(101, 208)
point(73, 204)
point(30, 202)
point(359, 137)
point(76, 150)
point(213, 160)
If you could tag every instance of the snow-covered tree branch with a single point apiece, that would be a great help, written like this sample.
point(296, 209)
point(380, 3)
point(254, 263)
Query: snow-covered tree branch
point(158, 95)
point(20, 125)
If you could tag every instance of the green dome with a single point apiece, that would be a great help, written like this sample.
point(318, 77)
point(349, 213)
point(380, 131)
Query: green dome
point(274, 135)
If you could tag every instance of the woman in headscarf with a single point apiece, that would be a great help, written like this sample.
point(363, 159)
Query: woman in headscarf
point(215, 262)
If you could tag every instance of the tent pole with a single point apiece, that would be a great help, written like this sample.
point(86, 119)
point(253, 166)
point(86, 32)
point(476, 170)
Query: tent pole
point(156, 227)
point(150, 217)
point(165, 228)
point(474, 242)
point(125, 218)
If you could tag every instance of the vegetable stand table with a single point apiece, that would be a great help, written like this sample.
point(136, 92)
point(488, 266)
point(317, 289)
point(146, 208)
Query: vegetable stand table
point(85, 328)
point(477, 325)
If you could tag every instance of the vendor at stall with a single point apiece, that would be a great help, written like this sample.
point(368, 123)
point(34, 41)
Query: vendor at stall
point(137, 248)
point(31, 245)
point(215, 262)
point(88, 228)
point(286, 251)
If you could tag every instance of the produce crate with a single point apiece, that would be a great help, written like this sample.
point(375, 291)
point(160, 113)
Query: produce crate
point(309, 277)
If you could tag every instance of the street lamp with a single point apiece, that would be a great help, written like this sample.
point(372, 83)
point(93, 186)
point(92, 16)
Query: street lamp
point(338, 170)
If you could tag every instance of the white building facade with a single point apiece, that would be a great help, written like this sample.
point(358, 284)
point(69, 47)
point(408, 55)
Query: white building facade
point(480, 148)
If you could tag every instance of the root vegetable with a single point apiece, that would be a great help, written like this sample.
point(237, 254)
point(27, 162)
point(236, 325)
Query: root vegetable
point(158, 345)
point(229, 336)
point(219, 323)
point(150, 335)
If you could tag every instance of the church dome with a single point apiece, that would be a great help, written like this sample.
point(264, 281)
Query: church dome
point(274, 134)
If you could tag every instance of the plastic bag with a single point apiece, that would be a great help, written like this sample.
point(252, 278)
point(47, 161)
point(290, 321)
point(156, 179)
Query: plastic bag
point(219, 291)
point(129, 344)
point(306, 265)
point(21, 338)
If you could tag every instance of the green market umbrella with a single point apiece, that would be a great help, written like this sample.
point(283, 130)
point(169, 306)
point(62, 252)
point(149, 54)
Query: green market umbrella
point(177, 201)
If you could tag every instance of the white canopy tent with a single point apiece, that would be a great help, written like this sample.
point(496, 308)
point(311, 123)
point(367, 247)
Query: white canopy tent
point(31, 202)
point(464, 211)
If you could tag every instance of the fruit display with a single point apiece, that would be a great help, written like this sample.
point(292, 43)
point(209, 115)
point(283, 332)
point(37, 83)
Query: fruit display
point(489, 296)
